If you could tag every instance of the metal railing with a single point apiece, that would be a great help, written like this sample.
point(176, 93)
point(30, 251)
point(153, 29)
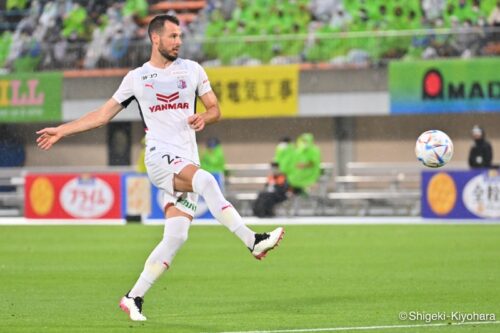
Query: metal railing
point(345, 48)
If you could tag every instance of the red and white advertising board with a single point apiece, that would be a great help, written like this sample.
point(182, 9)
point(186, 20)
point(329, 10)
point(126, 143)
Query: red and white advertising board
point(73, 196)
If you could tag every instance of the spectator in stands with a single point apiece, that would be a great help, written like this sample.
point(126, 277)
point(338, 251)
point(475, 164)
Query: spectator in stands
point(494, 21)
point(135, 8)
point(5, 42)
point(18, 41)
point(275, 191)
point(481, 153)
point(322, 9)
point(74, 23)
point(283, 154)
point(212, 159)
point(433, 9)
point(48, 19)
point(305, 167)
point(16, 4)
point(494, 18)
point(340, 19)
point(113, 34)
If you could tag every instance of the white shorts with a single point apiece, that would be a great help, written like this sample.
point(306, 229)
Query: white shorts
point(161, 167)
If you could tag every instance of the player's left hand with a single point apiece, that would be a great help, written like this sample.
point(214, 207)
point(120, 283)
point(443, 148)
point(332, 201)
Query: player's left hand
point(196, 122)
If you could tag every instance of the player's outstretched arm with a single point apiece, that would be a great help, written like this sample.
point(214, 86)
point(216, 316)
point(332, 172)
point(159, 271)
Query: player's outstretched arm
point(100, 117)
point(212, 114)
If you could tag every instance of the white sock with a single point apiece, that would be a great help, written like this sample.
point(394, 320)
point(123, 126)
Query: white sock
point(205, 185)
point(174, 236)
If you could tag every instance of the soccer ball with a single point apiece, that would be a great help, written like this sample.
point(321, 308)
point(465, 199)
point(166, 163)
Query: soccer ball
point(434, 148)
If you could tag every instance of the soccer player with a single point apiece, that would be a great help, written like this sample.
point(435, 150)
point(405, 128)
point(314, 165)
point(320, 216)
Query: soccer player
point(165, 89)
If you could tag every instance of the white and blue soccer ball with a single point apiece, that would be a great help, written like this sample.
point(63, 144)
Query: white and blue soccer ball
point(434, 148)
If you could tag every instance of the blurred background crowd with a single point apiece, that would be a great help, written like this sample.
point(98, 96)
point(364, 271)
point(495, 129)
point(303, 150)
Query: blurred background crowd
point(72, 34)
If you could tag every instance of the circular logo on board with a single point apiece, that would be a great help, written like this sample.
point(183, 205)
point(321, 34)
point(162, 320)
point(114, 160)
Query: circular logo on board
point(441, 193)
point(86, 197)
point(481, 195)
point(432, 84)
point(42, 196)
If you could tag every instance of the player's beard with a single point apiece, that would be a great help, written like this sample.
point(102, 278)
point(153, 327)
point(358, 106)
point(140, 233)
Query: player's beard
point(165, 54)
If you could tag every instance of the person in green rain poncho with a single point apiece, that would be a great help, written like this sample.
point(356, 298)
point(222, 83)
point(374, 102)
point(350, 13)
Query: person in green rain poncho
point(212, 159)
point(283, 154)
point(16, 4)
point(135, 7)
point(74, 22)
point(305, 167)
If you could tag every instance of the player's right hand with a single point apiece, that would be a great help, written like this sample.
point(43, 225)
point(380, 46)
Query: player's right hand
point(48, 137)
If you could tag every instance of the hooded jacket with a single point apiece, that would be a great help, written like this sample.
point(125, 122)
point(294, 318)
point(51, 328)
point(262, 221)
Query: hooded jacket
point(481, 153)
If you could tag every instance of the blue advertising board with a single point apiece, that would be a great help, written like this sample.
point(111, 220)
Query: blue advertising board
point(473, 194)
point(140, 197)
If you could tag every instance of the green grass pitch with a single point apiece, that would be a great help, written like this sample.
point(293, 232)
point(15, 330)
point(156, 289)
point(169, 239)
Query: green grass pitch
point(70, 278)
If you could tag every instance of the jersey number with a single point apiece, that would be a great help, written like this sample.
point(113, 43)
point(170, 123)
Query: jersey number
point(170, 160)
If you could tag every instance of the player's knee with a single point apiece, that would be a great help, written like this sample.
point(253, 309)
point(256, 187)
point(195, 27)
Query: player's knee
point(178, 237)
point(203, 179)
point(177, 230)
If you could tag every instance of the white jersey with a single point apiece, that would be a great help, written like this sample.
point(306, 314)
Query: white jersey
point(166, 98)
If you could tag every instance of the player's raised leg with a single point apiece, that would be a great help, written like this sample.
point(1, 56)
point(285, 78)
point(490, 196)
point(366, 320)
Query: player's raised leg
point(193, 179)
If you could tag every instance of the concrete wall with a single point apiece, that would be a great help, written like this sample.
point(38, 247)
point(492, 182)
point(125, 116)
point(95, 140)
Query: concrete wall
point(393, 138)
point(251, 141)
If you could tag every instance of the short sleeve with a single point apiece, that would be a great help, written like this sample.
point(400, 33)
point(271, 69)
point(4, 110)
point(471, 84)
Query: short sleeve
point(203, 82)
point(125, 93)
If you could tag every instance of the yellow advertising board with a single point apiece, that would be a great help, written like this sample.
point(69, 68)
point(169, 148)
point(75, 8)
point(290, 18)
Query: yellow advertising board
point(255, 92)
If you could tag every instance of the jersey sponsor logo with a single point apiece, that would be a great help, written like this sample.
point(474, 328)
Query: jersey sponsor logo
point(181, 84)
point(167, 98)
point(180, 72)
point(168, 105)
point(150, 76)
point(149, 85)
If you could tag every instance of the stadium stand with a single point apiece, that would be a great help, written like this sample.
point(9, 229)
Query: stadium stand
point(102, 34)
point(366, 189)
point(11, 192)
point(244, 181)
point(378, 188)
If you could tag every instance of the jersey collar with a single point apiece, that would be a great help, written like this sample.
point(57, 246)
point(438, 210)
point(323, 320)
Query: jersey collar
point(165, 68)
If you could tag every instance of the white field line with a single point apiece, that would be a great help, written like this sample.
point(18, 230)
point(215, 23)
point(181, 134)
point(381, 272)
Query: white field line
point(334, 220)
point(369, 328)
point(313, 220)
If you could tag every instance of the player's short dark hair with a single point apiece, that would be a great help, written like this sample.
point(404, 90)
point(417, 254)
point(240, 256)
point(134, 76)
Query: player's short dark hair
point(158, 22)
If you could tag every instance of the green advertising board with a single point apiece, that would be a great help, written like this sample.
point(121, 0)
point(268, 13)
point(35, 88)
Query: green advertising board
point(30, 97)
point(445, 86)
